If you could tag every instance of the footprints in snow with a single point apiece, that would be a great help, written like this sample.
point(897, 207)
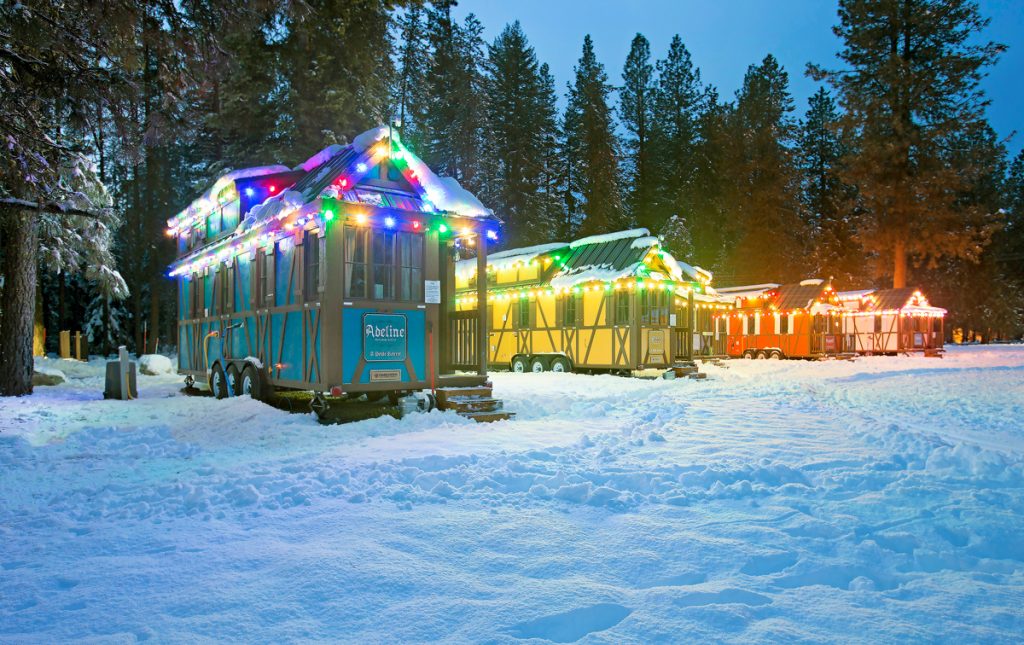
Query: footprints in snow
point(572, 625)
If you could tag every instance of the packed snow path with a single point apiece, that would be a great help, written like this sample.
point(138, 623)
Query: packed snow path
point(878, 500)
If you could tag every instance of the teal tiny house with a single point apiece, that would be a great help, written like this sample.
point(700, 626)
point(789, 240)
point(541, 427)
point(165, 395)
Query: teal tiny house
point(336, 276)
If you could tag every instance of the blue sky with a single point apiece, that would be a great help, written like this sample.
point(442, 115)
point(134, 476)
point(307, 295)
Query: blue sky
point(725, 36)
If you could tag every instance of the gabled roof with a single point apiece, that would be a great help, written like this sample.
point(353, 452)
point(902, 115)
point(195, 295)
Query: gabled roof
point(892, 298)
point(604, 257)
point(797, 296)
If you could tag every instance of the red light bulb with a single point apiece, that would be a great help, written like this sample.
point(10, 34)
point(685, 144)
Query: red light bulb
point(272, 188)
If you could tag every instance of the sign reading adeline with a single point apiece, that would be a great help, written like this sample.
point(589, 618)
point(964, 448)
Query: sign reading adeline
point(384, 337)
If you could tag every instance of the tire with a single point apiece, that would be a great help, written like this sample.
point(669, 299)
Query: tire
point(560, 364)
point(775, 355)
point(761, 356)
point(218, 381)
point(234, 379)
point(519, 364)
point(537, 366)
point(748, 355)
point(251, 383)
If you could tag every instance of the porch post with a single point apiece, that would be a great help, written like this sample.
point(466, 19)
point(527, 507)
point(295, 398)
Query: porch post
point(481, 302)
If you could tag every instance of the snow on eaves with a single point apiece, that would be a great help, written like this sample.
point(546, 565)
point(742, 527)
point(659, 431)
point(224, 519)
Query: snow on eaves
point(591, 273)
point(278, 207)
point(746, 291)
point(203, 203)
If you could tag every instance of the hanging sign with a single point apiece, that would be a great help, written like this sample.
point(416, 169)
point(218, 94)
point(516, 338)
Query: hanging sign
point(385, 337)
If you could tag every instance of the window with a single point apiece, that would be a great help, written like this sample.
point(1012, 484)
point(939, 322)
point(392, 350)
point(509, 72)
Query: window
point(523, 313)
point(265, 294)
point(878, 324)
point(312, 262)
point(570, 309)
point(750, 324)
point(621, 307)
point(356, 253)
point(383, 265)
point(397, 264)
point(225, 287)
point(410, 266)
point(654, 307)
point(213, 223)
point(783, 323)
point(196, 305)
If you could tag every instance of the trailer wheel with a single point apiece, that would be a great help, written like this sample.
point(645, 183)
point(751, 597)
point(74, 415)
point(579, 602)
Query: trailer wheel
point(537, 366)
point(251, 383)
point(560, 365)
point(218, 381)
point(775, 355)
point(762, 356)
point(748, 354)
point(519, 364)
point(234, 379)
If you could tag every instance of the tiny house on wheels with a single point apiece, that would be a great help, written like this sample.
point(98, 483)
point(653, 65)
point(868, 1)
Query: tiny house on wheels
point(335, 276)
point(615, 302)
point(891, 321)
point(801, 320)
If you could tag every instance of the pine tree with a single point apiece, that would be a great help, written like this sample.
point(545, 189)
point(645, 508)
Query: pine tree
point(826, 203)
point(909, 87)
point(676, 239)
point(678, 105)
point(767, 236)
point(520, 125)
point(592, 148)
point(409, 98)
point(636, 111)
point(456, 111)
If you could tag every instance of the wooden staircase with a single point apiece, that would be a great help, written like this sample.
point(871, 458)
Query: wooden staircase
point(688, 369)
point(473, 402)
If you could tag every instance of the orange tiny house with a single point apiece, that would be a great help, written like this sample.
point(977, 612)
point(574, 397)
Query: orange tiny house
point(801, 320)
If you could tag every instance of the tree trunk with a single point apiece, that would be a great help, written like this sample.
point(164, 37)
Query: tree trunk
point(899, 268)
point(20, 268)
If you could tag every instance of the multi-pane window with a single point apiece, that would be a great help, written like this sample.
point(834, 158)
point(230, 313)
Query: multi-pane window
point(571, 309)
point(621, 308)
point(312, 267)
point(265, 294)
point(523, 313)
point(383, 265)
point(356, 257)
point(396, 261)
point(783, 323)
point(198, 287)
point(410, 266)
point(750, 323)
point(225, 286)
point(654, 307)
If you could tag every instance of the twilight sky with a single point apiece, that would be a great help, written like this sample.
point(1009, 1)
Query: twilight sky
point(725, 36)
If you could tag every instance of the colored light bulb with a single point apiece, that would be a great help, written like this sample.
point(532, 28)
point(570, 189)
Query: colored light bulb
point(389, 222)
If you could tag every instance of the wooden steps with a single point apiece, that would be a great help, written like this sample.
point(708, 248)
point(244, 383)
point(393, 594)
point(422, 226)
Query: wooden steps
point(687, 369)
point(473, 402)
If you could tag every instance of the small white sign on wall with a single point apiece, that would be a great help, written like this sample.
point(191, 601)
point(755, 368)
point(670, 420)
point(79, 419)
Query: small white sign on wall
point(671, 320)
point(432, 292)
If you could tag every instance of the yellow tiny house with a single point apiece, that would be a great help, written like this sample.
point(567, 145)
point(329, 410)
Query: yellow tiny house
point(615, 302)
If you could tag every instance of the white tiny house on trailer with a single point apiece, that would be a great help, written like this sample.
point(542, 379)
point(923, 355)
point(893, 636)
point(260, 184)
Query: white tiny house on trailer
point(891, 321)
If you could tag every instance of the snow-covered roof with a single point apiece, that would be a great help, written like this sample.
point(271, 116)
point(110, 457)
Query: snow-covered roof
point(205, 202)
point(747, 291)
point(854, 295)
point(611, 237)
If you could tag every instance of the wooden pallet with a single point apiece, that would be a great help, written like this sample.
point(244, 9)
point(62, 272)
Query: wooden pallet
point(473, 402)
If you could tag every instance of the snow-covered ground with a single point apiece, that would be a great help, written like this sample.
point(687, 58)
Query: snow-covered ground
point(879, 500)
